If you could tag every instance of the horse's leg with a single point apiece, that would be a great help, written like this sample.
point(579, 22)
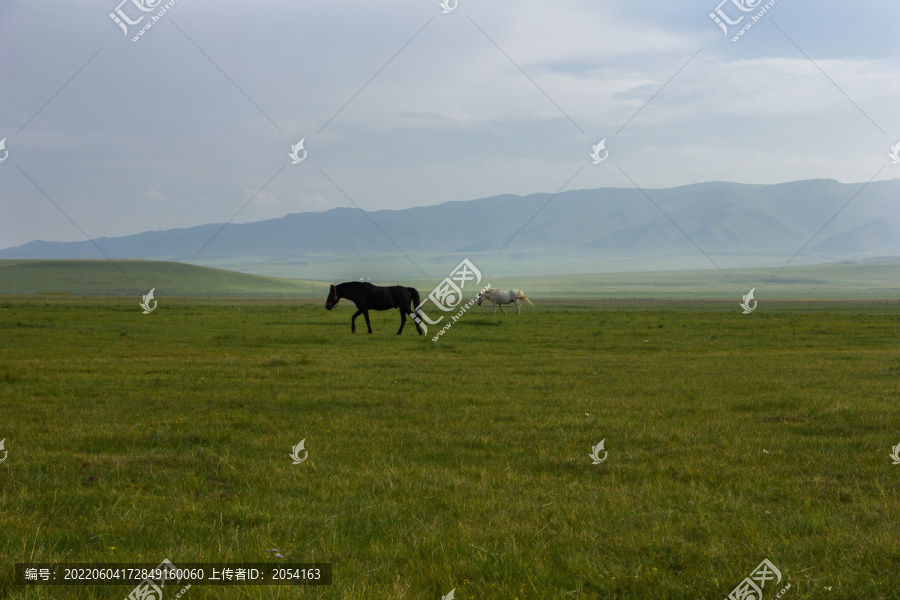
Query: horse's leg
point(402, 320)
point(418, 327)
point(353, 320)
point(494, 308)
point(518, 306)
point(501, 308)
point(412, 300)
point(413, 316)
point(369, 325)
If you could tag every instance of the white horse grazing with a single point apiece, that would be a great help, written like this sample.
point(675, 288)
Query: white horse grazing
point(501, 297)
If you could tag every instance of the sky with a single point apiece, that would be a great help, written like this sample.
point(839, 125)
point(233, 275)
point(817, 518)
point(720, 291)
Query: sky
point(402, 104)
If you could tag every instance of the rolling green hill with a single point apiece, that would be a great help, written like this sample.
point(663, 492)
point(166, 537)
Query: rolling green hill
point(135, 277)
point(870, 280)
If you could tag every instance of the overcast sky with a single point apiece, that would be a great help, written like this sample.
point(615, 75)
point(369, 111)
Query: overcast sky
point(401, 104)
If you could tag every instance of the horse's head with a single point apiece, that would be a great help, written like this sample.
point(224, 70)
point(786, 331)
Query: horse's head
point(480, 298)
point(332, 298)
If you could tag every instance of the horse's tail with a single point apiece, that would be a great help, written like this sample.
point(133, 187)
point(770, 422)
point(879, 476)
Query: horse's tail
point(414, 298)
point(414, 294)
point(522, 296)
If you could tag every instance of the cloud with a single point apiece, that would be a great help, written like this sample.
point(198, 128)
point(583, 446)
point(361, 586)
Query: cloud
point(155, 196)
point(401, 105)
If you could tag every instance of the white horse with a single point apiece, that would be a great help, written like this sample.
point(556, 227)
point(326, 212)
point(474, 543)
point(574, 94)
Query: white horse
point(501, 297)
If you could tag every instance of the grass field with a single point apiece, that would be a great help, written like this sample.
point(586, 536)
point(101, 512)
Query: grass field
point(458, 464)
point(877, 280)
point(831, 281)
point(137, 277)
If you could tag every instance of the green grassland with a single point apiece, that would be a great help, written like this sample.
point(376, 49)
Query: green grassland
point(461, 463)
point(850, 281)
point(137, 277)
point(872, 281)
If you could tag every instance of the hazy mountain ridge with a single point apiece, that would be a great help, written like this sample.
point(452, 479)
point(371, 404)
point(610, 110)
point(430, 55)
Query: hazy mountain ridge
point(720, 218)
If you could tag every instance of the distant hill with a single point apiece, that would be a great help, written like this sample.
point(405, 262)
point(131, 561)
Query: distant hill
point(873, 279)
point(137, 277)
point(722, 219)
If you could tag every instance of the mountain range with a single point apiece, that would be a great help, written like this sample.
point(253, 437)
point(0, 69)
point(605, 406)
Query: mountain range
point(835, 221)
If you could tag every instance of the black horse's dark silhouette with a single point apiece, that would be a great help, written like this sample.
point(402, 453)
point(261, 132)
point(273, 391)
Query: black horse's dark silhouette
point(372, 297)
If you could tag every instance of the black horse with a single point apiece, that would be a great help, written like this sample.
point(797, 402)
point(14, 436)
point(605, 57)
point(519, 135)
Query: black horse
point(372, 297)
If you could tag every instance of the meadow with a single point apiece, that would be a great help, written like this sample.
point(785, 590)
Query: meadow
point(461, 464)
point(137, 277)
point(876, 280)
